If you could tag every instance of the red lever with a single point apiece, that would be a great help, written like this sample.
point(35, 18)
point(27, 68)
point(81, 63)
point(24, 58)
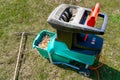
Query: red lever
point(93, 17)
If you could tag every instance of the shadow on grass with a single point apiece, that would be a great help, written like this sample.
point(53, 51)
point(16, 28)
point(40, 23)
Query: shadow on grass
point(106, 73)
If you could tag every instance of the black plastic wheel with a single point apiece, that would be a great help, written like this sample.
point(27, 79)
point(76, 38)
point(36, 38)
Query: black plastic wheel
point(85, 72)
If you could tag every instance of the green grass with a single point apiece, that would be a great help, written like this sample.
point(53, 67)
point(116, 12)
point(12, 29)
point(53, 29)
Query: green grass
point(31, 16)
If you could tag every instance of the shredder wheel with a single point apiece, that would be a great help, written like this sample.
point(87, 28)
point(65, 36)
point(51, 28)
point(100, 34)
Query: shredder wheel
point(85, 73)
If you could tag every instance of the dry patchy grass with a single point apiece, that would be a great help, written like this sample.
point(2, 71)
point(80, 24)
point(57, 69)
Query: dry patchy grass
point(31, 16)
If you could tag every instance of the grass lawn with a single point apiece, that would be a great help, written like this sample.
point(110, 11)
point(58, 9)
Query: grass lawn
point(31, 16)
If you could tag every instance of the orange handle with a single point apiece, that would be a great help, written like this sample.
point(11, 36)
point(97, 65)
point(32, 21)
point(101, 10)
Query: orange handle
point(93, 15)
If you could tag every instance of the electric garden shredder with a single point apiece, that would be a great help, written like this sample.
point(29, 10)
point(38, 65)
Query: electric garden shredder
point(76, 39)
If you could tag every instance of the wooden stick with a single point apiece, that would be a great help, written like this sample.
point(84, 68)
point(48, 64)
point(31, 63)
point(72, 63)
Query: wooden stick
point(18, 58)
point(25, 33)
